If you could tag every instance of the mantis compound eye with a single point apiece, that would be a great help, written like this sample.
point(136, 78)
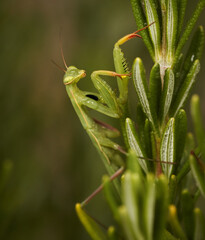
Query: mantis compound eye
point(94, 97)
point(73, 71)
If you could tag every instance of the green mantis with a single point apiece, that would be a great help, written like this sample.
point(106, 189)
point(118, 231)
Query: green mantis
point(105, 101)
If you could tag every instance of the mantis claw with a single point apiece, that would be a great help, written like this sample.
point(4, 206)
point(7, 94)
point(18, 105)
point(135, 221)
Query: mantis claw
point(143, 28)
point(132, 35)
point(120, 75)
point(126, 38)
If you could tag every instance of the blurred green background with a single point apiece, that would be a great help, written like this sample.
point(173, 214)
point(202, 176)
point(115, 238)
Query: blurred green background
point(48, 161)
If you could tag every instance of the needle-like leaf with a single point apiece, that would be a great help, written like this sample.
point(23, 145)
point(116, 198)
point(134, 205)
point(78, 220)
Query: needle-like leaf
point(133, 163)
point(199, 231)
point(140, 20)
point(134, 143)
point(149, 207)
point(112, 235)
point(132, 192)
point(187, 205)
point(167, 93)
point(195, 49)
point(154, 30)
point(181, 10)
point(198, 173)
point(109, 195)
point(142, 91)
point(161, 207)
point(155, 87)
point(185, 89)
point(198, 123)
point(171, 29)
point(167, 149)
point(90, 225)
point(126, 225)
point(200, 6)
point(175, 224)
point(180, 133)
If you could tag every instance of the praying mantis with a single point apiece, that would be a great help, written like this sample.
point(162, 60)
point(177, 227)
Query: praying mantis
point(105, 102)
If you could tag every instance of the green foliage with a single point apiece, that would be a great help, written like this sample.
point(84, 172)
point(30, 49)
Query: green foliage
point(151, 201)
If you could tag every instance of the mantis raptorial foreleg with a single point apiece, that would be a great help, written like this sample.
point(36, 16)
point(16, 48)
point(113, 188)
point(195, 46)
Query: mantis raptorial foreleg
point(107, 102)
point(121, 64)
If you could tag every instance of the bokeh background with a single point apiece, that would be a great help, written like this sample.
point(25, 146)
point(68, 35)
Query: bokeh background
point(47, 162)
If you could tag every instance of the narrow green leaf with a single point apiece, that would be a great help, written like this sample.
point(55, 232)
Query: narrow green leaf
point(112, 235)
point(109, 195)
point(154, 30)
point(158, 9)
point(142, 91)
point(153, 145)
point(140, 120)
point(132, 191)
point(167, 93)
point(180, 132)
point(194, 52)
point(161, 206)
point(171, 28)
point(167, 236)
point(167, 148)
point(181, 10)
point(189, 146)
point(183, 171)
point(187, 206)
point(185, 89)
point(198, 123)
point(149, 207)
point(200, 6)
point(155, 87)
point(140, 20)
point(90, 225)
point(147, 141)
point(174, 222)
point(172, 188)
point(185, 166)
point(163, 26)
point(198, 173)
point(195, 49)
point(126, 225)
point(199, 231)
point(177, 69)
point(134, 142)
point(133, 163)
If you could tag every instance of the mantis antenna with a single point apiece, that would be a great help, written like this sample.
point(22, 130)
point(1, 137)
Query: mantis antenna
point(61, 48)
point(58, 66)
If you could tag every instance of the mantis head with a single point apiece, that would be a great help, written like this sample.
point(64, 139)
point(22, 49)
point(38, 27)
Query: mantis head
point(73, 75)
